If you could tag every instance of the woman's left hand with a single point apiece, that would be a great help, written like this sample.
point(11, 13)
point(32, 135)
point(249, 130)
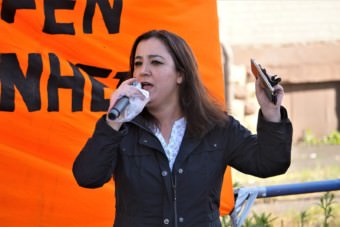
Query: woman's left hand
point(270, 111)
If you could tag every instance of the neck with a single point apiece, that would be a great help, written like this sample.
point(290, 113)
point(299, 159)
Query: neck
point(166, 114)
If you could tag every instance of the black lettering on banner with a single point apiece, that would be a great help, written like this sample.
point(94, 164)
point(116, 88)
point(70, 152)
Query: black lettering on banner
point(121, 76)
point(9, 8)
point(57, 81)
point(50, 25)
point(98, 102)
point(13, 80)
point(12, 77)
point(111, 16)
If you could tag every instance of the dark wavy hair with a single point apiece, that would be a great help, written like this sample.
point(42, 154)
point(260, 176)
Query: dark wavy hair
point(201, 110)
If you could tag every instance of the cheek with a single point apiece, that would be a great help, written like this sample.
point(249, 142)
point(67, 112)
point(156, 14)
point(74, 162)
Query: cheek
point(135, 74)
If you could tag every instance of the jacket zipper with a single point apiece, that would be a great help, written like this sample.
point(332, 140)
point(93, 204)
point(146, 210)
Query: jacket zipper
point(173, 181)
point(172, 178)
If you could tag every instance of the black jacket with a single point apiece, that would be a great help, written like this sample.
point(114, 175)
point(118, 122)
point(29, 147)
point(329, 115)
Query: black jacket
point(149, 194)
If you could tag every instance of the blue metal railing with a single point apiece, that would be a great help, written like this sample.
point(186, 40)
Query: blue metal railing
point(245, 197)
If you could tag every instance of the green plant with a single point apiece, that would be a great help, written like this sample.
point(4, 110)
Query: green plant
point(247, 223)
point(310, 138)
point(236, 184)
point(326, 202)
point(333, 138)
point(262, 220)
point(303, 218)
point(225, 221)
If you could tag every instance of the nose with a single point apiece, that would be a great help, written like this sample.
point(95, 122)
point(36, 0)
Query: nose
point(145, 70)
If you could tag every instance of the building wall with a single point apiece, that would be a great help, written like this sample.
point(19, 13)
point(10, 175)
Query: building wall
point(299, 41)
point(278, 22)
point(314, 106)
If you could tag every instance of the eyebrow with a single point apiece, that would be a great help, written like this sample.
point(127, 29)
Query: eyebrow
point(150, 56)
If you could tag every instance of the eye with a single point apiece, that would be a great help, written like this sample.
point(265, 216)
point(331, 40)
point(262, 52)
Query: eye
point(138, 63)
point(156, 62)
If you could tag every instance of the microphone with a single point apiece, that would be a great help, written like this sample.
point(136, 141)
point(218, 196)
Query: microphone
point(120, 105)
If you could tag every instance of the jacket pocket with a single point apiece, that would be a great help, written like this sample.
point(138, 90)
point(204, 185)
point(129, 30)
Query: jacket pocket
point(141, 170)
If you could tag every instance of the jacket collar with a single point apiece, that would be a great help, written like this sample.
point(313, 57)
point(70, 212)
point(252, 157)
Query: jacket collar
point(149, 139)
point(187, 147)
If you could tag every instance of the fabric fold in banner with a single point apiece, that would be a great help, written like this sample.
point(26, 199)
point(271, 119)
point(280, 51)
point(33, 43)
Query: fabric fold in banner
point(59, 62)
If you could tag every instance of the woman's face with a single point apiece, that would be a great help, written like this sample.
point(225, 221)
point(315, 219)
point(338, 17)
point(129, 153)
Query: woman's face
point(154, 68)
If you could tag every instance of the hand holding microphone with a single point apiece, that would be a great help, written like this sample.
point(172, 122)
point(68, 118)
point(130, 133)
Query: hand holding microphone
point(120, 105)
point(127, 101)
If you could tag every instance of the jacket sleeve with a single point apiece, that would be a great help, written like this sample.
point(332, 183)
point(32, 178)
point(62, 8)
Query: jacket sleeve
point(95, 163)
point(263, 155)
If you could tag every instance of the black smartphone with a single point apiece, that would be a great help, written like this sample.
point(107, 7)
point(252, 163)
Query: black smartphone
point(266, 82)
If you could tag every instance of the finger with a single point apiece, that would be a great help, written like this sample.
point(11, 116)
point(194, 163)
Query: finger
point(279, 89)
point(121, 91)
point(259, 85)
point(136, 93)
point(129, 81)
point(125, 86)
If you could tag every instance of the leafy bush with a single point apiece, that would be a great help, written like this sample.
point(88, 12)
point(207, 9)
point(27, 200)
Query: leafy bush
point(262, 220)
point(266, 219)
point(303, 218)
point(326, 202)
point(332, 138)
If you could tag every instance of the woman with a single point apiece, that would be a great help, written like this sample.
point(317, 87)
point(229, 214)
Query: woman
point(168, 162)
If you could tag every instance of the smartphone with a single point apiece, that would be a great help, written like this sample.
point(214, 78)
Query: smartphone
point(266, 84)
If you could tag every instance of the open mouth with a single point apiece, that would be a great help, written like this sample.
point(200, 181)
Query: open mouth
point(146, 85)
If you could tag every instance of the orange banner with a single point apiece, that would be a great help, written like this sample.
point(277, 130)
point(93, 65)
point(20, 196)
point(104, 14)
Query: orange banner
point(59, 62)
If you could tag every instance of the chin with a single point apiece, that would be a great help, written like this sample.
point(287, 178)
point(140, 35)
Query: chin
point(150, 104)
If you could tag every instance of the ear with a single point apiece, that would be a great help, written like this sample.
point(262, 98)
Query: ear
point(179, 79)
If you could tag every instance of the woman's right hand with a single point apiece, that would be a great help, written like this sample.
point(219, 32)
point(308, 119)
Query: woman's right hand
point(125, 89)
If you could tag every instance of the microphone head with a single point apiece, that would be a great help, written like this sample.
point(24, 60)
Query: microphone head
point(118, 108)
point(113, 114)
